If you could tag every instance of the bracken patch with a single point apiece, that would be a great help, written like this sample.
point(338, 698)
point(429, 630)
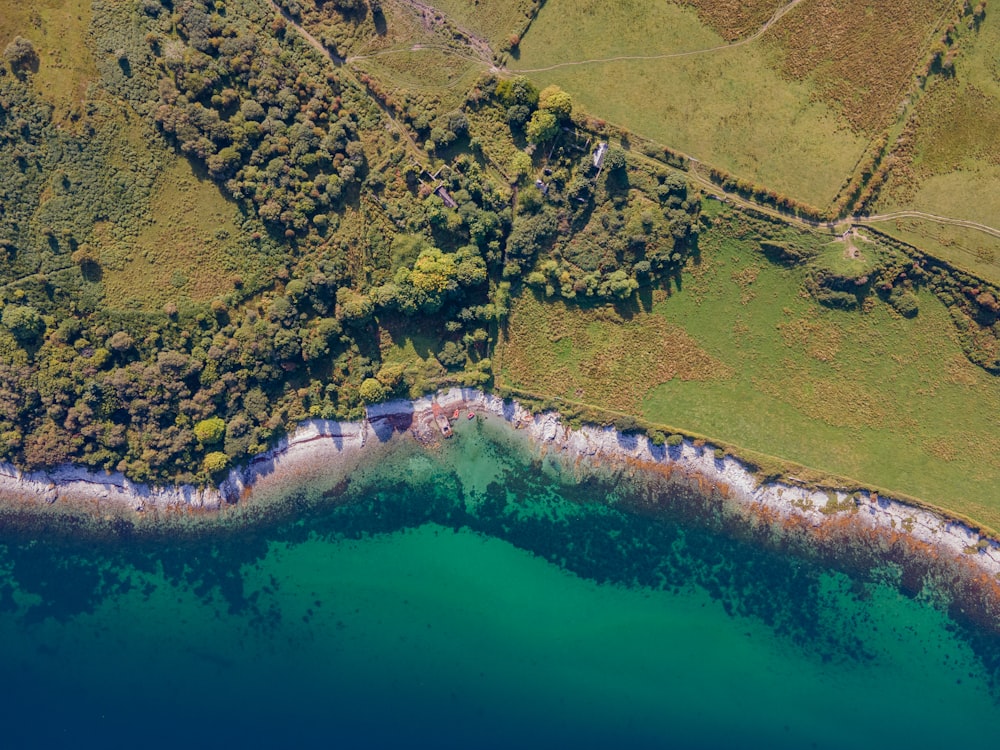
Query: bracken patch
point(734, 19)
point(860, 58)
point(600, 358)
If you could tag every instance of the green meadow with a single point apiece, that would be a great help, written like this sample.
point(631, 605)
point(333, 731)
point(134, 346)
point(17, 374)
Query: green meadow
point(742, 354)
point(494, 20)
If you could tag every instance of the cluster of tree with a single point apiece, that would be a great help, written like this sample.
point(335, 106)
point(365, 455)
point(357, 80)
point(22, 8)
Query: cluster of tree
point(765, 195)
point(434, 277)
point(664, 154)
point(538, 115)
point(579, 231)
point(181, 394)
point(868, 177)
point(623, 244)
point(267, 122)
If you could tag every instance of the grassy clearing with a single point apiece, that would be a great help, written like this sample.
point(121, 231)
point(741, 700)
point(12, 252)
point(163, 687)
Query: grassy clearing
point(59, 31)
point(425, 70)
point(850, 256)
point(730, 108)
point(494, 20)
point(414, 59)
point(735, 19)
point(191, 247)
point(599, 357)
point(861, 59)
point(872, 396)
point(412, 350)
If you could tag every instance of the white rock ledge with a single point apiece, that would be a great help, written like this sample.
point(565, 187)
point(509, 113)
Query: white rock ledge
point(319, 444)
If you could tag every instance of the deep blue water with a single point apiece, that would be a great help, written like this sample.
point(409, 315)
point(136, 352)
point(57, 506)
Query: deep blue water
point(468, 596)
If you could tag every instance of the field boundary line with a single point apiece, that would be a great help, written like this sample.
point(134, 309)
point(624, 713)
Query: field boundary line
point(894, 215)
point(668, 55)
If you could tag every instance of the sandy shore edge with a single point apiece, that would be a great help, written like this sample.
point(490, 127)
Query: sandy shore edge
point(319, 444)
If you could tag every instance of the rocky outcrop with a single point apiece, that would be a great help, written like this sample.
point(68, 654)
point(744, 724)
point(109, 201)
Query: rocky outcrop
point(317, 447)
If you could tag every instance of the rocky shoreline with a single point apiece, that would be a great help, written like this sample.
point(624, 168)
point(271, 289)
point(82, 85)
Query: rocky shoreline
point(317, 445)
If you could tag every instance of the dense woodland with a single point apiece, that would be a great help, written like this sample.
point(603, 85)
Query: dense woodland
point(349, 239)
point(367, 220)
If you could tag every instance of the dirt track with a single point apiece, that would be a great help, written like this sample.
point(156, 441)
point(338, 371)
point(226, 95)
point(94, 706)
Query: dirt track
point(484, 52)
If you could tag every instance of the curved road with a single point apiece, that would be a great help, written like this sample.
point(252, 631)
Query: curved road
point(927, 217)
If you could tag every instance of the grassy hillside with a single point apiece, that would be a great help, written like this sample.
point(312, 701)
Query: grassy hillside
point(744, 354)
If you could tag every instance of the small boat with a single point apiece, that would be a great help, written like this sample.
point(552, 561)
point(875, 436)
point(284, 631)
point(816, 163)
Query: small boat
point(441, 419)
point(472, 415)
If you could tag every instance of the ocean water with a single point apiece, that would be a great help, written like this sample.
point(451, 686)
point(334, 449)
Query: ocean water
point(471, 595)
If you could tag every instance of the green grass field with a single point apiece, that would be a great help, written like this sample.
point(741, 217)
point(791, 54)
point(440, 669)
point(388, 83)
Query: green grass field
point(190, 249)
point(741, 354)
point(729, 108)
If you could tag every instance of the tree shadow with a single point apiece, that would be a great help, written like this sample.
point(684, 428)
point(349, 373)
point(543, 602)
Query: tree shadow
point(644, 296)
point(381, 27)
point(92, 272)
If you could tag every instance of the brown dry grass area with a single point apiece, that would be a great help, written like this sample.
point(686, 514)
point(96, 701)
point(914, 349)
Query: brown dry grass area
point(59, 32)
point(734, 19)
point(821, 341)
point(835, 400)
point(860, 57)
point(942, 448)
point(182, 251)
point(598, 357)
point(961, 371)
point(958, 124)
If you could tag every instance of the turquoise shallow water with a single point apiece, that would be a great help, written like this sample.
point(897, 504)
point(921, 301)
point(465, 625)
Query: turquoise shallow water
point(470, 597)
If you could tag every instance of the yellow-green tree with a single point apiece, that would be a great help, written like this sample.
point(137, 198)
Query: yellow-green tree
point(372, 391)
point(553, 99)
point(542, 126)
point(215, 462)
point(210, 431)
